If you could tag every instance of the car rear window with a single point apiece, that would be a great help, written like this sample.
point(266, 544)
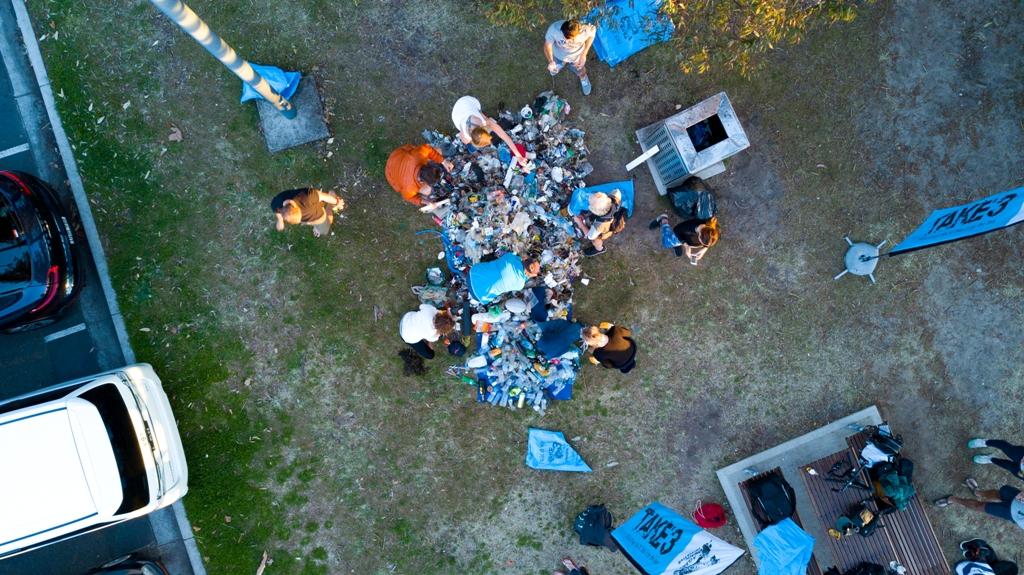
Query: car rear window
point(10, 228)
point(121, 431)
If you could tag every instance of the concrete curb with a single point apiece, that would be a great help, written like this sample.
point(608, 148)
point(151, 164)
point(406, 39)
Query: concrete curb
point(92, 235)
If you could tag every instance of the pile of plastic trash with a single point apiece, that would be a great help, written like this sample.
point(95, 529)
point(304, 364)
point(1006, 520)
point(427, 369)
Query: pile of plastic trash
point(492, 206)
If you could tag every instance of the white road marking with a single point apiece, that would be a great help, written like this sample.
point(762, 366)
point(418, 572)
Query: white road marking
point(13, 151)
point(64, 332)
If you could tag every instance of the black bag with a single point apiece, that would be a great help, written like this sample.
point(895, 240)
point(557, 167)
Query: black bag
point(886, 442)
point(865, 568)
point(772, 499)
point(693, 200)
point(1004, 567)
point(594, 526)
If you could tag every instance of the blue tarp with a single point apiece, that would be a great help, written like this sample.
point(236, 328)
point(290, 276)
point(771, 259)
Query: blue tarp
point(783, 549)
point(580, 196)
point(976, 218)
point(557, 337)
point(284, 83)
point(547, 449)
point(625, 27)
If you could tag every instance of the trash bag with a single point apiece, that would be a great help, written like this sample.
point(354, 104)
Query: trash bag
point(784, 549)
point(284, 83)
point(547, 449)
point(693, 200)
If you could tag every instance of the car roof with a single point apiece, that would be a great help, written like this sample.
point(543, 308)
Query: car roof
point(59, 472)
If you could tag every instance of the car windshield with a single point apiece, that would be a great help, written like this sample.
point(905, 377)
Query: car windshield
point(121, 431)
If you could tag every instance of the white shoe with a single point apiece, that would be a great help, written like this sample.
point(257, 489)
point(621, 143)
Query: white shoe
point(983, 459)
point(977, 443)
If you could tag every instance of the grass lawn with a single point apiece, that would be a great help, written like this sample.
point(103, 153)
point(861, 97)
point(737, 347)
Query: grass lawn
point(304, 438)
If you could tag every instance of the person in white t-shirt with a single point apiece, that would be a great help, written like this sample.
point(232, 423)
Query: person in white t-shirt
point(422, 327)
point(567, 43)
point(475, 127)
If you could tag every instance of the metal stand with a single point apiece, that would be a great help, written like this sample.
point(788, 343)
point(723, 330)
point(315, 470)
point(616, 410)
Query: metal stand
point(861, 259)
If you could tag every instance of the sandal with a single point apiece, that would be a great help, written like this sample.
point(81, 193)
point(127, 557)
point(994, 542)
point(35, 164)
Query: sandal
point(971, 484)
point(941, 502)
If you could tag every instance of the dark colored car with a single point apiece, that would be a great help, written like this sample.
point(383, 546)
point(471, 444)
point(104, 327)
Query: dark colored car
point(39, 264)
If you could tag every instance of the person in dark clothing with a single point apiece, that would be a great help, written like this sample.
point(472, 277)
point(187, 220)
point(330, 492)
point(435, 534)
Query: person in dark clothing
point(306, 206)
point(692, 237)
point(1014, 462)
point(612, 345)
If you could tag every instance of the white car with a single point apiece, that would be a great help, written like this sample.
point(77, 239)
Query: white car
point(86, 454)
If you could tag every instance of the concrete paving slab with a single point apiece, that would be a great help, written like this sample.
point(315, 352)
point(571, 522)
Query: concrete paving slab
point(790, 457)
point(307, 126)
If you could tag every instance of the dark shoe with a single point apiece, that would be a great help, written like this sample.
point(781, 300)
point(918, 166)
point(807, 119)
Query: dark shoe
point(657, 221)
point(678, 250)
point(592, 251)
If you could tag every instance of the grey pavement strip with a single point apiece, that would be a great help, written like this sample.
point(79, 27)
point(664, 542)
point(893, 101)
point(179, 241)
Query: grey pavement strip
point(92, 235)
point(12, 151)
point(64, 332)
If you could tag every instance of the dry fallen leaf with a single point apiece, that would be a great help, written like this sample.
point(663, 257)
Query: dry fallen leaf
point(227, 519)
point(263, 564)
point(175, 135)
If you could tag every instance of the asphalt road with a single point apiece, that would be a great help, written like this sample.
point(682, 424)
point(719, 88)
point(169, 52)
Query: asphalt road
point(83, 342)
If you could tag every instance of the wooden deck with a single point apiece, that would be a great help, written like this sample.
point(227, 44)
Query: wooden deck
point(830, 505)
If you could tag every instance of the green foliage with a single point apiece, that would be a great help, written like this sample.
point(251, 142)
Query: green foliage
point(710, 33)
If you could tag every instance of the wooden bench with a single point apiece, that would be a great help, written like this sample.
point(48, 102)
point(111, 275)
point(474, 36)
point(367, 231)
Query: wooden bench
point(812, 567)
point(909, 531)
point(829, 505)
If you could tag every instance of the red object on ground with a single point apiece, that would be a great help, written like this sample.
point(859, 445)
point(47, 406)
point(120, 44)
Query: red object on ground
point(522, 149)
point(709, 515)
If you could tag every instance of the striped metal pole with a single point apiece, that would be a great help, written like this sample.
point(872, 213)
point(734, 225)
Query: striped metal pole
point(190, 22)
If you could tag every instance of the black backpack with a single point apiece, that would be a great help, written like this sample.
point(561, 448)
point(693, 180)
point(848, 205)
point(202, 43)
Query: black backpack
point(772, 499)
point(594, 526)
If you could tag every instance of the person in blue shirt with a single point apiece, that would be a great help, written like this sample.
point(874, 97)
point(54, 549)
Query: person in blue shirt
point(488, 280)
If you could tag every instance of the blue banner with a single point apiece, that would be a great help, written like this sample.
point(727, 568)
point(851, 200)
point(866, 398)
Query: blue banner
point(547, 449)
point(976, 218)
point(654, 537)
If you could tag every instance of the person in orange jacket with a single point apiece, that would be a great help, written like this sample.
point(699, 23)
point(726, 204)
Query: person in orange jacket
point(413, 171)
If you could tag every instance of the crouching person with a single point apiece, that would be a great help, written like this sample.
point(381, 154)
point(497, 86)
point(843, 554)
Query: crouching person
point(604, 218)
point(611, 346)
point(413, 171)
point(424, 326)
point(489, 280)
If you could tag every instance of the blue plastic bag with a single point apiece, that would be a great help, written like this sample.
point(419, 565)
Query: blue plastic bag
point(581, 196)
point(547, 449)
point(625, 27)
point(284, 83)
point(783, 549)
